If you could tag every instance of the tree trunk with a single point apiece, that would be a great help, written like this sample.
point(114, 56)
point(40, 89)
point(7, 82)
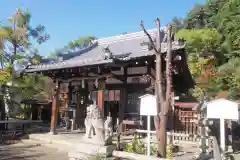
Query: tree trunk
point(169, 79)
point(161, 127)
point(160, 119)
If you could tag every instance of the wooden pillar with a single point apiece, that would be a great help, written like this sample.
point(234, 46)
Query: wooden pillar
point(69, 93)
point(40, 112)
point(100, 102)
point(55, 100)
point(124, 99)
point(81, 104)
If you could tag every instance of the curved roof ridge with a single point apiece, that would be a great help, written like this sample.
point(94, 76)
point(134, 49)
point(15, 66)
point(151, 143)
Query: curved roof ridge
point(124, 37)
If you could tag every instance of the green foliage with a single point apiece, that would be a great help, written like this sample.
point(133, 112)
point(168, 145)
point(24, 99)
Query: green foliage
point(228, 23)
point(212, 41)
point(138, 146)
point(223, 15)
point(202, 47)
point(34, 87)
point(201, 41)
point(80, 42)
point(230, 80)
point(177, 24)
point(14, 42)
point(96, 156)
point(5, 75)
point(52, 55)
point(196, 17)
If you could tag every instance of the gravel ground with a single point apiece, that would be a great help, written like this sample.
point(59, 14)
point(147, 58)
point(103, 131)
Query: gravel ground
point(30, 152)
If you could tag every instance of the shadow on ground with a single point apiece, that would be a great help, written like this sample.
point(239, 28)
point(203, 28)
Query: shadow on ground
point(30, 152)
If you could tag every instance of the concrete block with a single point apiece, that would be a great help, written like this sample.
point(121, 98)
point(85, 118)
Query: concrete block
point(134, 156)
point(93, 148)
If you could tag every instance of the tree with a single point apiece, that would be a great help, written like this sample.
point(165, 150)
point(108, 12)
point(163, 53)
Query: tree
point(228, 24)
point(177, 24)
point(229, 80)
point(15, 39)
point(203, 51)
point(53, 55)
point(14, 43)
point(222, 15)
point(81, 42)
point(196, 17)
point(219, 22)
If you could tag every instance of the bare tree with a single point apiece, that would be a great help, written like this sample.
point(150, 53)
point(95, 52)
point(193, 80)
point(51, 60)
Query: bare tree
point(163, 100)
point(161, 118)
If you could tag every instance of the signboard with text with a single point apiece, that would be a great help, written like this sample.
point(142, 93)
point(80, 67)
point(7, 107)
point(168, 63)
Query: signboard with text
point(222, 109)
point(148, 105)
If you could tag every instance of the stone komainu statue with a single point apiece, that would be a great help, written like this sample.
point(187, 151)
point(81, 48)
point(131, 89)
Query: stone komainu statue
point(88, 124)
point(96, 129)
point(108, 126)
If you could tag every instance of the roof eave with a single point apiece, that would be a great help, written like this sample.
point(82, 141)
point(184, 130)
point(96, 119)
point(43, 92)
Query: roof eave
point(31, 70)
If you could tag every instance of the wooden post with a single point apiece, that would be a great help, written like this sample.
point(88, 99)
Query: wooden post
point(54, 109)
point(100, 102)
point(39, 112)
point(124, 101)
point(69, 93)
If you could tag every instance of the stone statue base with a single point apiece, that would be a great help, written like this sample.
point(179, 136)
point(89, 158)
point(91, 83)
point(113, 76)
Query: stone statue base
point(96, 141)
point(85, 149)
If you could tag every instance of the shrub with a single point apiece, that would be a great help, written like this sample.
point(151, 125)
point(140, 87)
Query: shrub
point(138, 146)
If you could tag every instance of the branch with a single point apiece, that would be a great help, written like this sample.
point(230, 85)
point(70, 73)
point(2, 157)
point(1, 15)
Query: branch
point(149, 37)
point(6, 55)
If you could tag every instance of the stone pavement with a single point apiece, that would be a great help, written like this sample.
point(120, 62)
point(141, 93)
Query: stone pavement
point(236, 156)
point(70, 141)
point(29, 150)
point(61, 141)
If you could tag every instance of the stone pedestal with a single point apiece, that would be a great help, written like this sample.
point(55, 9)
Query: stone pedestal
point(85, 150)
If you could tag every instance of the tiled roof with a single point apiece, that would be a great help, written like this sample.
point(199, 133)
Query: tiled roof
point(118, 45)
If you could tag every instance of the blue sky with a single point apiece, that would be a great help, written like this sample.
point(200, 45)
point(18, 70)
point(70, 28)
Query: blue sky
point(67, 20)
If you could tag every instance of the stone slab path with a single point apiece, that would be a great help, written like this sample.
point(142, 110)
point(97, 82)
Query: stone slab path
point(68, 142)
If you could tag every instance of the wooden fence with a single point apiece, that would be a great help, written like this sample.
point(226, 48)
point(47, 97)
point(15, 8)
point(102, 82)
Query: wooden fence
point(185, 126)
point(185, 122)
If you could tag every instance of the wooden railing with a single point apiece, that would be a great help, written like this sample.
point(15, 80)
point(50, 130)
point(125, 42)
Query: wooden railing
point(176, 136)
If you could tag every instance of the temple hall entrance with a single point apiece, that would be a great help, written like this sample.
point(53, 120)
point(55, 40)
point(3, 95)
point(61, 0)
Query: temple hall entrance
point(111, 108)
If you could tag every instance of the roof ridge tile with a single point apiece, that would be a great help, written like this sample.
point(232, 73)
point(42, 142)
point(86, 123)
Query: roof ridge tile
point(123, 37)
